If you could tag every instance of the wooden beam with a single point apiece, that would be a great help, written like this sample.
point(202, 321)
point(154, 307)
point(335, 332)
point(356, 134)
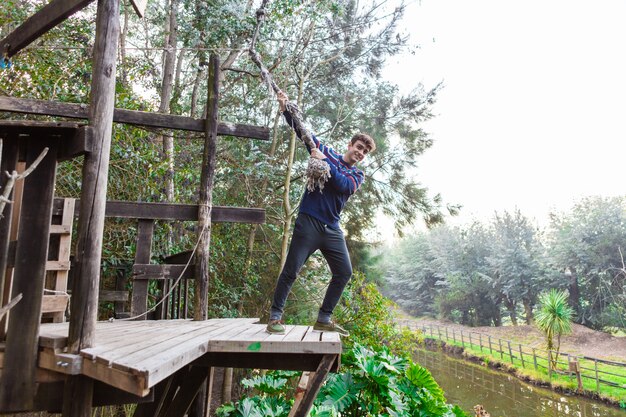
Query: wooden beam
point(145, 271)
point(173, 211)
point(108, 295)
point(39, 23)
point(191, 384)
point(260, 360)
point(133, 117)
point(315, 383)
point(139, 6)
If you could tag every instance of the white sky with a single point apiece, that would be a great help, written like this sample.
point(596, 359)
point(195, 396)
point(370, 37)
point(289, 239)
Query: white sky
point(532, 110)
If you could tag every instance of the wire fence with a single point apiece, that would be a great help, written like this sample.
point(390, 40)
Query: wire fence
point(591, 373)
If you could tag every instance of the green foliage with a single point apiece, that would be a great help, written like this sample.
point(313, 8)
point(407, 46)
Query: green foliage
point(554, 317)
point(367, 314)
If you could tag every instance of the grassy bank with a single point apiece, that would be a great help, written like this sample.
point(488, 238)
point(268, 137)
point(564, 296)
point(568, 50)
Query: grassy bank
point(532, 366)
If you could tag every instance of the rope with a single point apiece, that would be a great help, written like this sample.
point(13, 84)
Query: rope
point(318, 171)
point(173, 286)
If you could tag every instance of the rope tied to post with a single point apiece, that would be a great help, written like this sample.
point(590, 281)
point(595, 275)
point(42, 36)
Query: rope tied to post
point(317, 171)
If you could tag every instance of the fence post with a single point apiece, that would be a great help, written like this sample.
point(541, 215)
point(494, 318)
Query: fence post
point(453, 336)
point(595, 362)
point(431, 332)
point(447, 334)
point(480, 341)
point(462, 342)
point(490, 349)
point(535, 358)
point(550, 365)
point(521, 355)
point(439, 332)
point(500, 344)
point(470, 338)
point(510, 351)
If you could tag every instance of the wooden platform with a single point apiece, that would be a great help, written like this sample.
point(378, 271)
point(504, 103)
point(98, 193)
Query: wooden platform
point(136, 355)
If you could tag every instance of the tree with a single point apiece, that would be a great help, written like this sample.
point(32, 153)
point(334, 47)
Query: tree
point(514, 262)
point(585, 248)
point(554, 319)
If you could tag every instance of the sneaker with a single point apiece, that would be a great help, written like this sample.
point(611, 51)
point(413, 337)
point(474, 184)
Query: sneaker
point(330, 327)
point(275, 327)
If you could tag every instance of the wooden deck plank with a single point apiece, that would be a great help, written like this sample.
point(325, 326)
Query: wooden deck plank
point(296, 334)
point(192, 340)
point(312, 335)
point(136, 355)
point(152, 336)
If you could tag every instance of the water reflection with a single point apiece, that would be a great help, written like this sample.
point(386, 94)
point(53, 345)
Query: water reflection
point(467, 384)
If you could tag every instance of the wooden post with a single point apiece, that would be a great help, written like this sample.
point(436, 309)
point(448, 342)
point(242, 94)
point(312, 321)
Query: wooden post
point(17, 387)
point(78, 393)
point(206, 193)
point(535, 358)
point(447, 334)
point(462, 342)
point(550, 365)
point(595, 363)
point(490, 349)
point(521, 355)
point(500, 344)
point(143, 253)
point(315, 383)
point(470, 339)
point(439, 332)
point(510, 351)
point(453, 336)
point(480, 341)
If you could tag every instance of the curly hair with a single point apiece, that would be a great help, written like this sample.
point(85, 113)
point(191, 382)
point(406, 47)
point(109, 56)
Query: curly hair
point(366, 139)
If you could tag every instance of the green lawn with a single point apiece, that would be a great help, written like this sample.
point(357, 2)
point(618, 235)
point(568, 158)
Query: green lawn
point(536, 367)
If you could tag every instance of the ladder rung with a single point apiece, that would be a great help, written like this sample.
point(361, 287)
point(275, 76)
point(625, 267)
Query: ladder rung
point(58, 266)
point(60, 229)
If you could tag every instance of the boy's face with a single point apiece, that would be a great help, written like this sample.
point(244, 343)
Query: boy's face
point(356, 152)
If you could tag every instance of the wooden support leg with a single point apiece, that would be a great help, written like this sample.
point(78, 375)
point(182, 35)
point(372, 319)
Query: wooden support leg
point(192, 383)
point(153, 408)
point(17, 384)
point(315, 382)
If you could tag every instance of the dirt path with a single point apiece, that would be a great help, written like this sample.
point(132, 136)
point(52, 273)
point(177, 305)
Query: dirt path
point(582, 341)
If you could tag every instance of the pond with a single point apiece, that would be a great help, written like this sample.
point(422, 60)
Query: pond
point(503, 395)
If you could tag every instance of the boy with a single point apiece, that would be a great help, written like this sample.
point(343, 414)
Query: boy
point(317, 227)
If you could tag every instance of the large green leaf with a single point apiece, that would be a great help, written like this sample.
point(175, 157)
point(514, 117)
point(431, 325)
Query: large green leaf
point(420, 377)
point(267, 384)
point(340, 392)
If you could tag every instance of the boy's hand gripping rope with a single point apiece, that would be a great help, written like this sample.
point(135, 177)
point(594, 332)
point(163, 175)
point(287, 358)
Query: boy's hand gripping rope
point(318, 171)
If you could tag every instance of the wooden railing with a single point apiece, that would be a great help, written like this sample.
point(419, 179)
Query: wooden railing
point(584, 368)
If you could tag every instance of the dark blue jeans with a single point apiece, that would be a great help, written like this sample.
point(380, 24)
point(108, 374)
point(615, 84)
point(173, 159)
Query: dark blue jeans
point(309, 235)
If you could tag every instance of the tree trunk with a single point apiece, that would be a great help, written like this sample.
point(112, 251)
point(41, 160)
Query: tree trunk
point(510, 306)
point(574, 294)
point(167, 86)
point(287, 209)
point(528, 310)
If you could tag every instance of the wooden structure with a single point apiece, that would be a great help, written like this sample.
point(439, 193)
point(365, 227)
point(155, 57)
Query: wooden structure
point(73, 366)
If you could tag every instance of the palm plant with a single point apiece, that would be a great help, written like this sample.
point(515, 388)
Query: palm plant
point(554, 319)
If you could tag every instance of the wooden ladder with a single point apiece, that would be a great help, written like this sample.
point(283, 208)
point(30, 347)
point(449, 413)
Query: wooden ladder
point(55, 298)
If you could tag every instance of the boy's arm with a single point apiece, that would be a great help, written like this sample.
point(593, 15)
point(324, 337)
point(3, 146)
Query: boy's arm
point(282, 104)
point(344, 183)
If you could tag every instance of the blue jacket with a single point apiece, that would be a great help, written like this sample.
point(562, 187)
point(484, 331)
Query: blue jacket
point(345, 180)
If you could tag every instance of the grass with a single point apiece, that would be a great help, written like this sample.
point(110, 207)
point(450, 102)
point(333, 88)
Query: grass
point(526, 368)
